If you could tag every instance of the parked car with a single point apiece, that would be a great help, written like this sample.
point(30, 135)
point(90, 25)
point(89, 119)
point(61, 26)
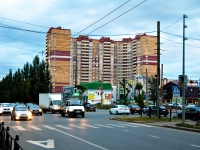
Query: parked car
point(135, 109)
point(192, 113)
point(90, 107)
point(35, 109)
point(21, 112)
point(163, 110)
point(5, 108)
point(190, 105)
point(145, 109)
point(176, 105)
point(120, 109)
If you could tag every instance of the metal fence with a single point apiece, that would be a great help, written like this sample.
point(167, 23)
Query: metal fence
point(7, 142)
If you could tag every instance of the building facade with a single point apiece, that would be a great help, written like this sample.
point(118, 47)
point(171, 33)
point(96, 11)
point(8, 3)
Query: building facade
point(82, 59)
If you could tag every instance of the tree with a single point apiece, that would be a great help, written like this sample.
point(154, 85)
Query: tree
point(126, 89)
point(152, 89)
point(81, 90)
point(140, 97)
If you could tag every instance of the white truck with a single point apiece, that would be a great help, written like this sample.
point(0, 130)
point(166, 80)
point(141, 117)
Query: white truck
point(49, 102)
point(72, 107)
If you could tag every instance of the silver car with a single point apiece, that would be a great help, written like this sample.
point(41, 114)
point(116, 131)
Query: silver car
point(5, 108)
point(120, 109)
point(21, 112)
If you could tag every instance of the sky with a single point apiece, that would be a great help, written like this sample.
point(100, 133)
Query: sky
point(24, 23)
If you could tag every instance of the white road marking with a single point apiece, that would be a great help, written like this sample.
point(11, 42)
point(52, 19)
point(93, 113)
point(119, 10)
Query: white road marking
point(154, 136)
point(125, 130)
point(103, 126)
point(19, 128)
point(91, 126)
point(138, 124)
point(77, 126)
point(36, 128)
point(116, 125)
point(195, 145)
point(128, 125)
point(50, 143)
point(76, 137)
point(63, 127)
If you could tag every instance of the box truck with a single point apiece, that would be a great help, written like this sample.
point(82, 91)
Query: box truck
point(49, 102)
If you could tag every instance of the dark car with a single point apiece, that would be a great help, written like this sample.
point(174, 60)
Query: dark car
point(135, 109)
point(145, 109)
point(163, 111)
point(90, 107)
point(192, 113)
point(35, 109)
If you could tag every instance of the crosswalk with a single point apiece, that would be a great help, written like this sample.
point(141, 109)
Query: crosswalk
point(85, 126)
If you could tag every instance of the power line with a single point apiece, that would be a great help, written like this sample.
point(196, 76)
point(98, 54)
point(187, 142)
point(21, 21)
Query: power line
point(172, 24)
point(117, 17)
point(95, 22)
point(23, 22)
point(103, 17)
point(180, 36)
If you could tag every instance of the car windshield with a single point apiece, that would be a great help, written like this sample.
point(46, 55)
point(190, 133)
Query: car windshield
point(76, 103)
point(34, 106)
point(21, 109)
point(56, 102)
point(163, 107)
point(6, 105)
point(91, 105)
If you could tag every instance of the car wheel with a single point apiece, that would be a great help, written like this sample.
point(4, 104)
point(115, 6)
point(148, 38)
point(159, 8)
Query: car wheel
point(193, 118)
point(40, 114)
point(11, 118)
point(165, 115)
point(83, 115)
point(14, 119)
point(117, 113)
point(127, 114)
point(110, 112)
point(95, 110)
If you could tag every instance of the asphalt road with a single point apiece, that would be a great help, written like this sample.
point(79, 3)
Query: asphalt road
point(96, 132)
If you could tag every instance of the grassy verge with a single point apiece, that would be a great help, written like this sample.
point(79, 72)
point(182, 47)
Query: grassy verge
point(195, 126)
point(144, 119)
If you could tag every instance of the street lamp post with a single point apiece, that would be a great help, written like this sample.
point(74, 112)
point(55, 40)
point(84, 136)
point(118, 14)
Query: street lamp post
point(183, 77)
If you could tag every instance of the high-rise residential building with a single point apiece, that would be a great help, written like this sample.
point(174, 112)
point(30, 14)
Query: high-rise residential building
point(82, 59)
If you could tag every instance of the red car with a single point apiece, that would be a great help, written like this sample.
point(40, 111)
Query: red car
point(135, 109)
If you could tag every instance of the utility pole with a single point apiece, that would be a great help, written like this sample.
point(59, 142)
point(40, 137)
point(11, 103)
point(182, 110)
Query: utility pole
point(161, 82)
point(146, 85)
point(184, 78)
point(158, 69)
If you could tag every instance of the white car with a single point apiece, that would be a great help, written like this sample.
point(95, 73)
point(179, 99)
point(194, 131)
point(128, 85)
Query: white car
point(190, 105)
point(21, 112)
point(5, 108)
point(120, 109)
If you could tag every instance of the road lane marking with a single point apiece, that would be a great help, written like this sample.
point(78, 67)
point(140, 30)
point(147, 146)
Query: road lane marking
point(116, 125)
point(63, 127)
point(154, 136)
point(138, 124)
point(194, 145)
point(50, 143)
point(103, 126)
point(91, 126)
point(36, 128)
point(46, 126)
point(125, 130)
point(77, 126)
point(128, 125)
point(19, 128)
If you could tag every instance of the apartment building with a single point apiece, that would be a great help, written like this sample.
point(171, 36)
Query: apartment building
point(82, 59)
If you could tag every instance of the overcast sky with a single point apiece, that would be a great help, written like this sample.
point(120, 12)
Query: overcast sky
point(19, 18)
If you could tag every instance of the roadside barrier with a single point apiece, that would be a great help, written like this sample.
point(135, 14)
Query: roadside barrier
point(7, 142)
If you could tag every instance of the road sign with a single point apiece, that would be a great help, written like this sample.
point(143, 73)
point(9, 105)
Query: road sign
point(175, 90)
point(147, 96)
point(132, 94)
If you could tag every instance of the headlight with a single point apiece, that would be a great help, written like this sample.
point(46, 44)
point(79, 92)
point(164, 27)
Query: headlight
point(29, 115)
point(83, 109)
point(11, 108)
point(70, 109)
point(40, 110)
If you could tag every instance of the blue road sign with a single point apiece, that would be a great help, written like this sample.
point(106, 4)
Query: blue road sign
point(132, 94)
point(175, 90)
